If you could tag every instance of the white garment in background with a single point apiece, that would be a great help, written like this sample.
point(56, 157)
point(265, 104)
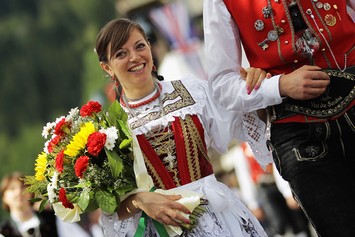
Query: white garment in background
point(66, 229)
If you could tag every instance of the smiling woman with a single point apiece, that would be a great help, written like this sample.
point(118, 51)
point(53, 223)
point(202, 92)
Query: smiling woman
point(129, 59)
point(175, 122)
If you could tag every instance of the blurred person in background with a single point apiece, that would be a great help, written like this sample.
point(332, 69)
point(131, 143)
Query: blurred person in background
point(23, 220)
point(26, 221)
point(268, 196)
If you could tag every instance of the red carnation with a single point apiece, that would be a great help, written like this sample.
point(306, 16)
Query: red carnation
point(81, 165)
point(61, 127)
point(96, 141)
point(53, 143)
point(59, 161)
point(63, 198)
point(90, 108)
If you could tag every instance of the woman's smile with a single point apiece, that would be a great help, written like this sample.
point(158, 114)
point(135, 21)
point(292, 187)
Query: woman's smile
point(137, 68)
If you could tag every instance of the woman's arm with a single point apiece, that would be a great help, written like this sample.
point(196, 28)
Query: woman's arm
point(160, 207)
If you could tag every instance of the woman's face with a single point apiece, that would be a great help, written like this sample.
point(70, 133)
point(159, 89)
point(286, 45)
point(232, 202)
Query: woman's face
point(132, 64)
point(15, 196)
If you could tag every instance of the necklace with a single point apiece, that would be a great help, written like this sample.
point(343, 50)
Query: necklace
point(140, 121)
point(124, 100)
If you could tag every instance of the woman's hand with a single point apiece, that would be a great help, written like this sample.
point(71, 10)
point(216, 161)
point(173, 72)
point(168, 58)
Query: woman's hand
point(162, 208)
point(253, 77)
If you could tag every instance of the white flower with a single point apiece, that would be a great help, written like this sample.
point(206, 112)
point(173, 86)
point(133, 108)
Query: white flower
point(59, 119)
point(47, 129)
point(111, 137)
point(45, 148)
point(52, 186)
point(54, 180)
point(51, 193)
point(72, 114)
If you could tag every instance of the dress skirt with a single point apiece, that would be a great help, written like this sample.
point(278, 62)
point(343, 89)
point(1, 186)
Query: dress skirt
point(225, 216)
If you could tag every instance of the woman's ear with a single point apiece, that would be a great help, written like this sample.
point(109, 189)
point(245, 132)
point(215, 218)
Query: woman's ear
point(106, 68)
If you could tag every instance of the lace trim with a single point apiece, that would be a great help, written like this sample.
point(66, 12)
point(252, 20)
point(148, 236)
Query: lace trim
point(177, 102)
point(254, 131)
point(114, 227)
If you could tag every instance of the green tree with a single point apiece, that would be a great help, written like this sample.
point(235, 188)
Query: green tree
point(47, 66)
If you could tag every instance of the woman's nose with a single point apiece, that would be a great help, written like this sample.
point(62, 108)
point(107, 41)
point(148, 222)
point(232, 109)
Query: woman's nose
point(134, 57)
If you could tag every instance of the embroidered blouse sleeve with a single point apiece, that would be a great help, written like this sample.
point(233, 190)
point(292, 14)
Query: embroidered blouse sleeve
point(222, 126)
point(223, 50)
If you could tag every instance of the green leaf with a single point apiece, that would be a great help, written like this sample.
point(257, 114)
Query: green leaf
point(115, 162)
point(124, 128)
point(106, 201)
point(35, 199)
point(43, 205)
point(125, 143)
point(125, 189)
point(83, 200)
point(116, 113)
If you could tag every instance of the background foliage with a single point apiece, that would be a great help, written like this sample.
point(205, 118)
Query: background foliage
point(47, 66)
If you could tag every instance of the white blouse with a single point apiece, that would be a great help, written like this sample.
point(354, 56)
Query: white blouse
point(220, 125)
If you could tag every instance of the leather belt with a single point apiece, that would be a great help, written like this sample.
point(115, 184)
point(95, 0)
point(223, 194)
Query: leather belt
point(334, 101)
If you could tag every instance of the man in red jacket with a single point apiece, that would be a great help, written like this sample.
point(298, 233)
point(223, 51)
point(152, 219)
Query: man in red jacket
point(308, 47)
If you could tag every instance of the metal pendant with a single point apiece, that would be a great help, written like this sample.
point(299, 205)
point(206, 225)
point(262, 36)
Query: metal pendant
point(279, 30)
point(326, 6)
point(264, 44)
point(330, 20)
point(267, 11)
point(272, 35)
point(319, 5)
point(259, 25)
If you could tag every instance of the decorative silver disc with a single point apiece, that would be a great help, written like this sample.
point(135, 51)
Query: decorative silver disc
point(326, 6)
point(272, 35)
point(259, 25)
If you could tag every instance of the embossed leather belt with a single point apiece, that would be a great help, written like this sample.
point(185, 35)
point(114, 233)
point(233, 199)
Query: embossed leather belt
point(334, 101)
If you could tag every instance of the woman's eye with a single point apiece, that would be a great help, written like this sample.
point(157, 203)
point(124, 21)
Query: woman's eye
point(120, 54)
point(140, 46)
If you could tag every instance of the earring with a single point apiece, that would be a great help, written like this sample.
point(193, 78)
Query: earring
point(115, 80)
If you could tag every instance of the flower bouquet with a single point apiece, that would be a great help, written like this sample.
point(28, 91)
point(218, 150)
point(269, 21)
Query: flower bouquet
point(87, 162)
point(91, 160)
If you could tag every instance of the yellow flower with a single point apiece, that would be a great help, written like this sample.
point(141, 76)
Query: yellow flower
point(40, 166)
point(79, 140)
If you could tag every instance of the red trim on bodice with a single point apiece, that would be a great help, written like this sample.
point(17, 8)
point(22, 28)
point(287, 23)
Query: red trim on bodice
point(181, 156)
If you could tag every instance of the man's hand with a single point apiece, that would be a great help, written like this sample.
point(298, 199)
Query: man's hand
point(307, 82)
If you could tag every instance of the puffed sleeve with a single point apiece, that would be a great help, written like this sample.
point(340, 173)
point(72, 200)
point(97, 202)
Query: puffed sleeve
point(222, 126)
